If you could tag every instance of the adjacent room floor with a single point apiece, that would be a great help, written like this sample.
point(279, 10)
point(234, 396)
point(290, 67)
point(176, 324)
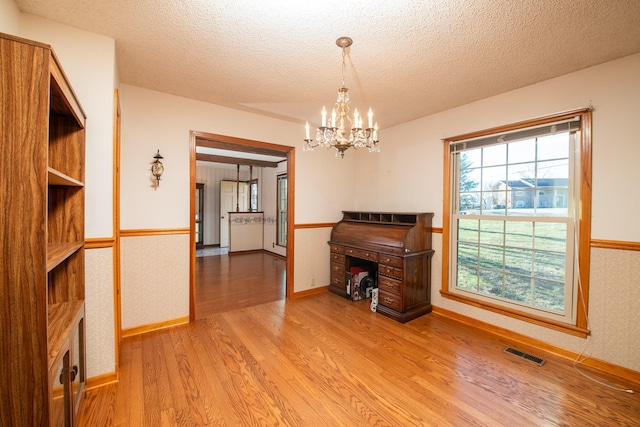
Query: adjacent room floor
point(226, 282)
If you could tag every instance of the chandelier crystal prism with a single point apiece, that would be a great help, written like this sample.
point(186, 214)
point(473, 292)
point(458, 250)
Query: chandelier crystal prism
point(341, 131)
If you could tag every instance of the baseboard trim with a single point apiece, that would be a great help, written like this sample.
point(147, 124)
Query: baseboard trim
point(250, 251)
point(312, 291)
point(268, 252)
point(102, 380)
point(143, 329)
point(601, 365)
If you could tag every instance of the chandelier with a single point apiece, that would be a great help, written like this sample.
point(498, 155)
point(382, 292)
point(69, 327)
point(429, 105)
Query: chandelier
point(341, 131)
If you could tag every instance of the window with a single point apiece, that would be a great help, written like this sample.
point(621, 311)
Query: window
point(281, 219)
point(253, 195)
point(517, 220)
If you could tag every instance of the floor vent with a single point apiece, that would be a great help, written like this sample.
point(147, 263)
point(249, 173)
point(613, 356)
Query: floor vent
point(521, 354)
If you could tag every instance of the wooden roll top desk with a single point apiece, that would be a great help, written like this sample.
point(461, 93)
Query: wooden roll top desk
point(396, 249)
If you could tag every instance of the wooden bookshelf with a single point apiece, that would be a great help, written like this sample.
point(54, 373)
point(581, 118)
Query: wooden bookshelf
point(42, 155)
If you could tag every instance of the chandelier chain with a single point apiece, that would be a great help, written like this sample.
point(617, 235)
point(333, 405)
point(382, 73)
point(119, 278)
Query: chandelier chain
point(344, 65)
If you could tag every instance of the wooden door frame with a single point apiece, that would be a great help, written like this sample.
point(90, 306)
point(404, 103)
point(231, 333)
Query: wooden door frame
point(245, 145)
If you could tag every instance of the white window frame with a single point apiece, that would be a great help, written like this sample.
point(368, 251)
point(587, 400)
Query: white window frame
point(573, 318)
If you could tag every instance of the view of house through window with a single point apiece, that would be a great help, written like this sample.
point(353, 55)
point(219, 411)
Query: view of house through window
point(513, 219)
point(281, 219)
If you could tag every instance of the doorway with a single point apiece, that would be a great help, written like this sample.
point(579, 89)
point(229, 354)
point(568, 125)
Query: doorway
point(239, 145)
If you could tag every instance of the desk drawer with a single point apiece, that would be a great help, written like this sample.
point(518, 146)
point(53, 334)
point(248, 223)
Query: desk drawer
point(337, 268)
point(390, 285)
point(359, 253)
point(386, 270)
point(389, 300)
point(336, 248)
point(338, 279)
point(337, 258)
point(391, 261)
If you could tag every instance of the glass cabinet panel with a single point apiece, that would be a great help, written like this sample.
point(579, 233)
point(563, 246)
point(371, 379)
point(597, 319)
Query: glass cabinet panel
point(77, 370)
point(60, 408)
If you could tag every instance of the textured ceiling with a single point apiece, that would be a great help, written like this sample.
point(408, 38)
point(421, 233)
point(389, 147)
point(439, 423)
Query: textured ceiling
point(409, 58)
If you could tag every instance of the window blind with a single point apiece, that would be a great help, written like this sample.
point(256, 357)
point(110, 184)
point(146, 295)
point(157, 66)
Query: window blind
point(571, 125)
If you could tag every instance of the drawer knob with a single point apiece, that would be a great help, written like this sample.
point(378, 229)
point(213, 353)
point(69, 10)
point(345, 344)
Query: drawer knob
point(388, 300)
point(388, 285)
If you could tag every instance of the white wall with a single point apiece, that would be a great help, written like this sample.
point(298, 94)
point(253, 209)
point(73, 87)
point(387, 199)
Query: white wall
point(407, 176)
point(9, 17)
point(152, 120)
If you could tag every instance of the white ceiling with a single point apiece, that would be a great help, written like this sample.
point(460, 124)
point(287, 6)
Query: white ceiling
point(409, 58)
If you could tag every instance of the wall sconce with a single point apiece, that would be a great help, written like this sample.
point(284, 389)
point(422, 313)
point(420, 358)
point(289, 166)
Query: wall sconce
point(157, 167)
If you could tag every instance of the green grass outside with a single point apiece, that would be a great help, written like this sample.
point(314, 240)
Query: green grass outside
point(517, 260)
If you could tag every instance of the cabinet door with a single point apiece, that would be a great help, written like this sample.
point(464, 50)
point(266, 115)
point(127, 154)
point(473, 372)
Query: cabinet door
point(60, 402)
point(77, 369)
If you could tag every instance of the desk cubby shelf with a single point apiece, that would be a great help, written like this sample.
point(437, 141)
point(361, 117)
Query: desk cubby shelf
point(381, 217)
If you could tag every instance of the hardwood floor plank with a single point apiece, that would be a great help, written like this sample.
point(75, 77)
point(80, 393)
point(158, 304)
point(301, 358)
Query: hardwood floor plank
point(103, 406)
point(172, 374)
point(135, 399)
point(199, 403)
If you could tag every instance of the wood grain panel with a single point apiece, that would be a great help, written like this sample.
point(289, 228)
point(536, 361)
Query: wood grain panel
point(24, 78)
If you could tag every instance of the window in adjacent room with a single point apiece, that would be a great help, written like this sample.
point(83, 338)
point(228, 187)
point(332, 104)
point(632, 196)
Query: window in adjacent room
point(281, 220)
point(517, 220)
point(253, 195)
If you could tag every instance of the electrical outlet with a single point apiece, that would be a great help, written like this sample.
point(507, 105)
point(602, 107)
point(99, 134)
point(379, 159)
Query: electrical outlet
point(273, 244)
point(313, 282)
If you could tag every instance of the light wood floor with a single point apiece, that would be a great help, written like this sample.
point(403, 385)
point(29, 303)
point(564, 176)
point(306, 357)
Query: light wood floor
point(324, 361)
point(229, 282)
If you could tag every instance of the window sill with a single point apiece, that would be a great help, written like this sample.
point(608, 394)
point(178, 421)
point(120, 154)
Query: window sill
point(526, 317)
